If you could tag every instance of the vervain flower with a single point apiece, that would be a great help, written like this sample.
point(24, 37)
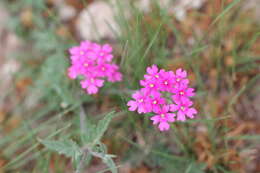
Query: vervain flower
point(166, 94)
point(163, 116)
point(93, 62)
point(183, 108)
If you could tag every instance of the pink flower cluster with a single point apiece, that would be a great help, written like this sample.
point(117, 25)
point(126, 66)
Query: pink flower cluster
point(94, 62)
point(166, 94)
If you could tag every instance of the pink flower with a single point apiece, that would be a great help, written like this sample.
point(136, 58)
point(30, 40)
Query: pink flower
point(152, 73)
point(91, 85)
point(155, 101)
point(182, 92)
point(183, 109)
point(150, 84)
point(81, 66)
point(103, 52)
point(114, 75)
point(167, 81)
point(93, 62)
point(140, 102)
point(180, 77)
point(160, 89)
point(77, 52)
point(163, 117)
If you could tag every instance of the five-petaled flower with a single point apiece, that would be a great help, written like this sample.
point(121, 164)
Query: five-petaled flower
point(163, 116)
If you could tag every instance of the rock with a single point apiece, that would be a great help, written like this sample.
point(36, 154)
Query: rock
point(255, 6)
point(180, 8)
point(66, 12)
point(97, 21)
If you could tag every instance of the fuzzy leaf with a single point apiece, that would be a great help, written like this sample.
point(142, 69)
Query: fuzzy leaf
point(102, 126)
point(110, 163)
point(67, 147)
point(94, 133)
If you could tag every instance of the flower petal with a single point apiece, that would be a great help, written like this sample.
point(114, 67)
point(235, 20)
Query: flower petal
point(133, 105)
point(155, 119)
point(92, 89)
point(170, 117)
point(181, 116)
point(164, 126)
point(191, 112)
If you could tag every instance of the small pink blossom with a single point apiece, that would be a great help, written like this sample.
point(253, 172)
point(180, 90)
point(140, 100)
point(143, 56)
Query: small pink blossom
point(180, 77)
point(152, 73)
point(140, 102)
point(163, 117)
point(91, 85)
point(183, 108)
point(150, 84)
point(166, 81)
point(93, 62)
point(182, 92)
point(155, 101)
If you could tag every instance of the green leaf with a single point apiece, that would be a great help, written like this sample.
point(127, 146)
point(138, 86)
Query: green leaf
point(110, 163)
point(95, 132)
point(67, 147)
point(102, 126)
point(89, 136)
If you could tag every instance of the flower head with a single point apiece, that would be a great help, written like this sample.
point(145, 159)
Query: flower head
point(93, 62)
point(166, 94)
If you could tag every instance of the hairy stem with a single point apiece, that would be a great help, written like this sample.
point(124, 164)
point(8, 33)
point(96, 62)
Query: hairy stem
point(81, 163)
point(82, 117)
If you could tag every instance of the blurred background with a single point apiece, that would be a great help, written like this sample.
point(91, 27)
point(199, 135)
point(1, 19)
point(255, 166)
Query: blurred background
point(216, 41)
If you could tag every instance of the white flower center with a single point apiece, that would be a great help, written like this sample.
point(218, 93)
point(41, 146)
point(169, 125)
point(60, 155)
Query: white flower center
point(151, 85)
point(157, 76)
point(154, 102)
point(103, 68)
point(141, 100)
point(178, 79)
point(166, 82)
point(85, 64)
point(162, 115)
point(182, 107)
point(181, 93)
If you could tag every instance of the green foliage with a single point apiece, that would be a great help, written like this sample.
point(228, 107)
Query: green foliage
point(110, 163)
point(94, 132)
point(102, 127)
point(91, 145)
point(67, 147)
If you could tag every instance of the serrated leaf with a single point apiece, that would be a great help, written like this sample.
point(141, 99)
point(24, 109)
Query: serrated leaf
point(67, 147)
point(95, 132)
point(102, 126)
point(89, 136)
